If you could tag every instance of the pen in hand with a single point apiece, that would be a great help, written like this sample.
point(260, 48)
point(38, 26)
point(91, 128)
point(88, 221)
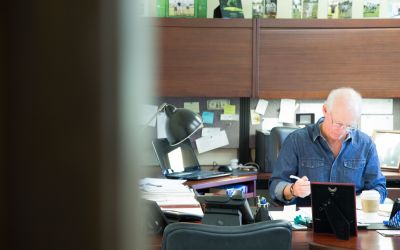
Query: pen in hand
point(294, 177)
point(303, 189)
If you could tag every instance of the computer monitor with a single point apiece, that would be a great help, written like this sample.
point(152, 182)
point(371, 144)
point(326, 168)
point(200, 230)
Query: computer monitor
point(225, 210)
point(334, 208)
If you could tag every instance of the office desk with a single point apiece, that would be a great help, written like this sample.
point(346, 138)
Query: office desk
point(366, 240)
point(392, 182)
point(204, 185)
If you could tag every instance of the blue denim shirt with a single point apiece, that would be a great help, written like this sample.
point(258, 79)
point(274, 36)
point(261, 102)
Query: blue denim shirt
point(305, 152)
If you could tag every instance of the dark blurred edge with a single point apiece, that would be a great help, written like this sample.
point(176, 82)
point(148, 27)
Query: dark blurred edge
point(58, 125)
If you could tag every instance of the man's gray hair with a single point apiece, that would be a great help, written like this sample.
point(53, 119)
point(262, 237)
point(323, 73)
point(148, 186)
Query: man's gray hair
point(349, 95)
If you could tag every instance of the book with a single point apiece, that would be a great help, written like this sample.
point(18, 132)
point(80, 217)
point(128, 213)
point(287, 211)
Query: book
point(270, 8)
point(371, 8)
point(181, 8)
point(231, 8)
point(161, 8)
point(310, 9)
point(201, 8)
point(258, 8)
point(394, 8)
point(296, 9)
point(345, 8)
point(333, 9)
point(264, 8)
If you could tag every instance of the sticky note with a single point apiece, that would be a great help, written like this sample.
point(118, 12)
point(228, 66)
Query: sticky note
point(193, 106)
point(229, 109)
point(208, 117)
point(255, 118)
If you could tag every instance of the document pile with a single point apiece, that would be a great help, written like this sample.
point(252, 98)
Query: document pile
point(170, 195)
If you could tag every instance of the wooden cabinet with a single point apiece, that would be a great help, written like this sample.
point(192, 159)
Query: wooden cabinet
point(205, 57)
point(278, 58)
point(307, 58)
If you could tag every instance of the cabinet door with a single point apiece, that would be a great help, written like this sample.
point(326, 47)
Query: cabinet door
point(205, 57)
point(307, 62)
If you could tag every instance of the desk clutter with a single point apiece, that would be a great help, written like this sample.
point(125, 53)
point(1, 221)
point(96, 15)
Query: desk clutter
point(176, 202)
point(172, 196)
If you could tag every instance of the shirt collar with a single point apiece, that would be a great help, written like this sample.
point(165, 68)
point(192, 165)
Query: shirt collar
point(317, 131)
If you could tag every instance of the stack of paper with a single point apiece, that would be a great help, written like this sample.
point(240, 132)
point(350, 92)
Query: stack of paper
point(167, 192)
point(170, 195)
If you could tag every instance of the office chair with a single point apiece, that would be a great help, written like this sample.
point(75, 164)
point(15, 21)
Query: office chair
point(276, 139)
point(276, 235)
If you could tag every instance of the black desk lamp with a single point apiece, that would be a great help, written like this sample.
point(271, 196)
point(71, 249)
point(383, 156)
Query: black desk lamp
point(181, 123)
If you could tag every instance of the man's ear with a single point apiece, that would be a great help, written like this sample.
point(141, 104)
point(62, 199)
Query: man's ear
point(324, 109)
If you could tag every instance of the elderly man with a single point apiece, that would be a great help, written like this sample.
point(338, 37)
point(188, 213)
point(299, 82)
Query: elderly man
point(332, 150)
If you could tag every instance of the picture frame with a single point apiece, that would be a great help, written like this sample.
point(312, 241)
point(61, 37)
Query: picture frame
point(388, 147)
point(305, 118)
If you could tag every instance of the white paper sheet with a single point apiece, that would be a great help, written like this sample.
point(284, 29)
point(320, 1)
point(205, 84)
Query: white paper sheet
point(289, 214)
point(287, 110)
point(377, 106)
point(148, 115)
point(176, 160)
point(228, 117)
point(210, 131)
point(161, 122)
point(369, 123)
point(167, 192)
point(208, 143)
point(261, 106)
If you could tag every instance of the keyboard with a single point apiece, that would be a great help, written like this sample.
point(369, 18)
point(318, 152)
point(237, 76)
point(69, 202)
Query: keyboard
point(198, 175)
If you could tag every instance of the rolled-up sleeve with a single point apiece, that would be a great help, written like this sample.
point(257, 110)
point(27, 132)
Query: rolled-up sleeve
point(285, 166)
point(373, 178)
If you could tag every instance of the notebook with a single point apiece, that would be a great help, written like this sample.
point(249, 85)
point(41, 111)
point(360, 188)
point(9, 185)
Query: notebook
point(180, 161)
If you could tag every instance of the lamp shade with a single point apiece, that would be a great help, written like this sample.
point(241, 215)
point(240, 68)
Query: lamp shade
point(181, 124)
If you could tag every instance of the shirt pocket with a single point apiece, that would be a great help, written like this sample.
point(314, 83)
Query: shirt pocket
point(354, 164)
point(314, 169)
point(353, 170)
point(311, 163)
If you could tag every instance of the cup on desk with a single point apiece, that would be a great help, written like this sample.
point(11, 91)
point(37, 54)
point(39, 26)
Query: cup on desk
point(370, 201)
point(234, 163)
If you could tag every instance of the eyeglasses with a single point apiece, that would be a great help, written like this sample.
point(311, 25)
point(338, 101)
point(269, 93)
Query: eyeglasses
point(339, 125)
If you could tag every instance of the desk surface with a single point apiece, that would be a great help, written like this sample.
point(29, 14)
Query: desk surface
point(366, 239)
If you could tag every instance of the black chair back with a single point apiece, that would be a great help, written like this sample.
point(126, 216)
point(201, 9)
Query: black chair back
point(277, 137)
point(276, 235)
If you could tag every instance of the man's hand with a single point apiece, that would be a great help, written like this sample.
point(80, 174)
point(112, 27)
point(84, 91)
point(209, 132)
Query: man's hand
point(302, 187)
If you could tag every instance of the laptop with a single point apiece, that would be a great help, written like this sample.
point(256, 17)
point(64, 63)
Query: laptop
point(180, 161)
